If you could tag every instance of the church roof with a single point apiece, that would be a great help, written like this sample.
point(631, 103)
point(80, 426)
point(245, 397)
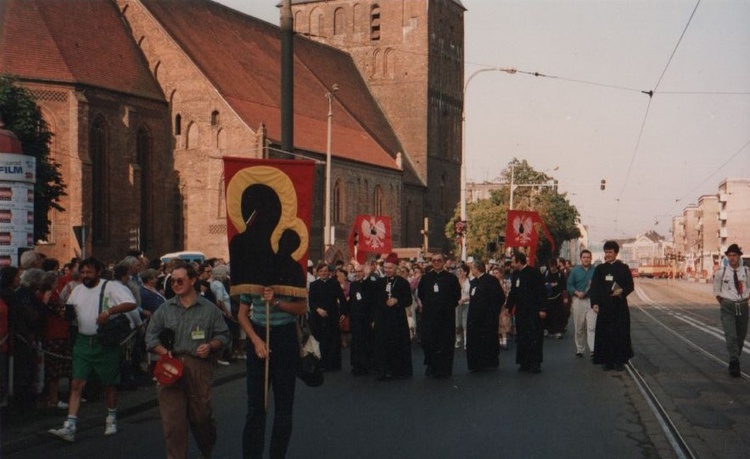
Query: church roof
point(241, 56)
point(77, 42)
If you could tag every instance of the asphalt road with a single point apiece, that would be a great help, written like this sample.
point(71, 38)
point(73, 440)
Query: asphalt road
point(572, 409)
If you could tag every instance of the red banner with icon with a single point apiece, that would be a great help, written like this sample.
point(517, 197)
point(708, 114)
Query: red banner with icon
point(370, 234)
point(521, 231)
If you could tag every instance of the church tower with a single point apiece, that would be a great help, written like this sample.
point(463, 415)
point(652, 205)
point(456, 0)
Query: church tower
point(411, 54)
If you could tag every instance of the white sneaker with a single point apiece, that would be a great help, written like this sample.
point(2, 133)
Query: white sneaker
point(110, 426)
point(62, 405)
point(67, 432)
point(222, 362)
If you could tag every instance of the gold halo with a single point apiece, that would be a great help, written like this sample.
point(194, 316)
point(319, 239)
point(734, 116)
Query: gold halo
point(281, 183)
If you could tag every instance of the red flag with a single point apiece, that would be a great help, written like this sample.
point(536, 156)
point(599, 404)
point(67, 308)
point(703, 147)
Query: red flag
point(370, 234)
point(520, 231)
point(269, 209)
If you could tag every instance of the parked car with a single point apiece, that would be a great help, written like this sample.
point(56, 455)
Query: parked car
point(188, 256)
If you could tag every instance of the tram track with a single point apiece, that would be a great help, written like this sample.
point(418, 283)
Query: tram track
point(665, 395)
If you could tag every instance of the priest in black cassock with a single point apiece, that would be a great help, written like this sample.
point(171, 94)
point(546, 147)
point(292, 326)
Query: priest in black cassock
point(611, 284)
point(392, 295)
point(359, 310)
point(486, 299)
point(527, 298)
point(326, 299)
point(438, 292)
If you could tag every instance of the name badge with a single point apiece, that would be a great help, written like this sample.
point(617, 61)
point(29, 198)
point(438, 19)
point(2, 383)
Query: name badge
point(359, 296)
point(198, 334)
point(388, 287)
point(473, 290)
point(435, 288)
point(609, 278)
point(518, 282)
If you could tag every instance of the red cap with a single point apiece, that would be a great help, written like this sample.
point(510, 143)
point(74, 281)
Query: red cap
point(168, 370)
point(392, 258)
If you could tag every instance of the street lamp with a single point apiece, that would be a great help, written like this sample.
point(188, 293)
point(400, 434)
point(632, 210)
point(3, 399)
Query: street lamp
point(463, 149)
point(327, 231)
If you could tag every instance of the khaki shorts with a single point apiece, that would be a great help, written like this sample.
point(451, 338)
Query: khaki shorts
point(91, 358)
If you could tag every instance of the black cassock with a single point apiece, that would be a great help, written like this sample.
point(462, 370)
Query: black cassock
point(612, 345)
point(439, 293)
point(359, 310)
point(327, 295)
point(528, 297)
point(392, 340)
point(483, 320)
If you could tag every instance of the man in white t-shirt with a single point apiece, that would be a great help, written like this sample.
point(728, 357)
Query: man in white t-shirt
point(89, 355)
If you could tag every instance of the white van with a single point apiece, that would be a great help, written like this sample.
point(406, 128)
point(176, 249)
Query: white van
point(189, 257)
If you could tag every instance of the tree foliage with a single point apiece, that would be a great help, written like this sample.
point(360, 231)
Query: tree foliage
point(487, 218)
point(23, 117)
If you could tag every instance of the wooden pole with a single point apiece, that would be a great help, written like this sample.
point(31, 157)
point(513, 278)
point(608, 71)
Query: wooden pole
point(268, 355)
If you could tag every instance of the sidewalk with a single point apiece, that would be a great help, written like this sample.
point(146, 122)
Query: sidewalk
point(22, 432)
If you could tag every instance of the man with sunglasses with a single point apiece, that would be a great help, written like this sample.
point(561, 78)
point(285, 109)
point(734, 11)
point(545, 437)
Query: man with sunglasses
point(439, 292)
point(199, 332)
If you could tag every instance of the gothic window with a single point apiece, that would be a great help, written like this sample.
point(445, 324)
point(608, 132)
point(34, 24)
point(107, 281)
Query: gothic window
point(389, 70)
point(178, 124)
point(99, 190)
point(143, 156)
point(378, 200)
point(356, 19)
point(193, 136)
point(298, 22)
point(316, 23)
point(375, 22)
point(215, 118)
point(339, 22)
point(339, 203)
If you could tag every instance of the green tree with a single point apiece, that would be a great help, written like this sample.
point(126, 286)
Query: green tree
point(487, 218)
point(21, 115)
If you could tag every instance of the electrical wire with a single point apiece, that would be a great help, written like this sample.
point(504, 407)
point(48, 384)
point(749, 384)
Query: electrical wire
point(674, 51)
point(743, 147)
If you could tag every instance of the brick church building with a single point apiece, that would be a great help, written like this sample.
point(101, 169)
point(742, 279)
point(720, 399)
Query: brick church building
point(145, 97)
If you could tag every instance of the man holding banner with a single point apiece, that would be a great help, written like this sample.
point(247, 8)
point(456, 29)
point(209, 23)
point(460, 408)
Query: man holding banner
point(268, 239)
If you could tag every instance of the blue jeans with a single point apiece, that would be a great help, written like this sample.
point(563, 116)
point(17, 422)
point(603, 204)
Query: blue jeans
point(283, 369)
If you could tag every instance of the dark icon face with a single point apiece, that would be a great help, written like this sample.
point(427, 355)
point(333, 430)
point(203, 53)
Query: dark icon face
point(261, 209)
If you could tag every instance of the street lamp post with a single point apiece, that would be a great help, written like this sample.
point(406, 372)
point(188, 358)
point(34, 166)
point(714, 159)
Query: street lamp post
point(463, 150)
point(327, 230)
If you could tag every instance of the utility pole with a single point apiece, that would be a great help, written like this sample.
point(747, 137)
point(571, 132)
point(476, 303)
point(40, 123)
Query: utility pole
point(287, 77)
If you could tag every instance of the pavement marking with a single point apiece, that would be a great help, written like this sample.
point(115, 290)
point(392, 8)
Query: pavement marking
point(697, 324)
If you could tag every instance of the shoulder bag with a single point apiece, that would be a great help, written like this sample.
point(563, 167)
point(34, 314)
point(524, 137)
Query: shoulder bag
point(116, 329)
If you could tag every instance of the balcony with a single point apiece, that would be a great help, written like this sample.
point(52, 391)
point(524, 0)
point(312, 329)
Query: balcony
point(723, 232)
point(723, 197)
point(723, 215)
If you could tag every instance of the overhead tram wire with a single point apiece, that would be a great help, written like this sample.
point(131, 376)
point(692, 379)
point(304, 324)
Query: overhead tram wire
point(742, 148)
point(650, 95)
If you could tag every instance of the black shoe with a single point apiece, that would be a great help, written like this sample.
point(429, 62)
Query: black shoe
point(734, 368)
point(535, 369)
point(579, 354)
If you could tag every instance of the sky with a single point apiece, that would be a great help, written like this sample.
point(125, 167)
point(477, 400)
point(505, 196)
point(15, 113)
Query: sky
point(590, 117)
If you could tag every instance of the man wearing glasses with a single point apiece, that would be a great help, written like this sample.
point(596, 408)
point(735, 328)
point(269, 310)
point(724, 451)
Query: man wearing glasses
point(199, 331)
point(439, 292)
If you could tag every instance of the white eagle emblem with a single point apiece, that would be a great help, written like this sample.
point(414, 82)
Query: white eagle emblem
point(373, 233)
point(522, 228)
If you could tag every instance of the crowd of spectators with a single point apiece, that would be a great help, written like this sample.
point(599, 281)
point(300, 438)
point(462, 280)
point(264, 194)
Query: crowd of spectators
point(36, 331)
